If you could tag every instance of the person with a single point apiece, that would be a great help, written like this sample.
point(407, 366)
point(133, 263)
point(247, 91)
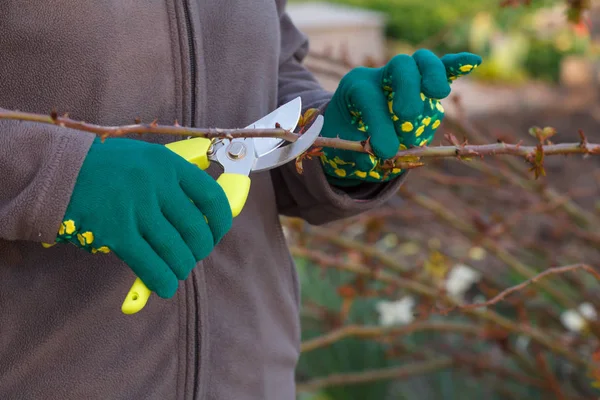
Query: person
point(225, 323)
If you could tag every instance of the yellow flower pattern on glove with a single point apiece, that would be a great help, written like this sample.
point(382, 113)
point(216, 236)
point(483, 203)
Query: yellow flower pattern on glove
point(355, 113)
point(68, 233)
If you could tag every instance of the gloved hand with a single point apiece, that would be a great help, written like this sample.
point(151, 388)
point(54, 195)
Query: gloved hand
point(147, 205)
point(397, 106)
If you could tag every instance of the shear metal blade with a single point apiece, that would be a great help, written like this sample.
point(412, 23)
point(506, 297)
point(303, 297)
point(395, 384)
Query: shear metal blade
point(285, 154)
point(287, 116)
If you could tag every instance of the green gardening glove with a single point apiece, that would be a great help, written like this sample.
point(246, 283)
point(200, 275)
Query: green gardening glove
point(397, 106)
point(147, 205)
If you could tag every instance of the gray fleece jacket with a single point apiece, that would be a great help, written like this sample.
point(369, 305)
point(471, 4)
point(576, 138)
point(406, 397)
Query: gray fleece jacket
point(232, 331)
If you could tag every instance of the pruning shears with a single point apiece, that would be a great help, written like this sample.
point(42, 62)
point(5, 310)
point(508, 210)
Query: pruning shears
point(238, 157)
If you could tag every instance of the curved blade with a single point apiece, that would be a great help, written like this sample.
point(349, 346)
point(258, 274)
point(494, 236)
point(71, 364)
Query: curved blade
point(287, 116)
point(285, 154)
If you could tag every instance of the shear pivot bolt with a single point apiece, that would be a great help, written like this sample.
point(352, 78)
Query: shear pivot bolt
point(236, 151)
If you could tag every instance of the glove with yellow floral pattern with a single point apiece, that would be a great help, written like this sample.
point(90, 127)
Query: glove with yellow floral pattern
point(395, 107)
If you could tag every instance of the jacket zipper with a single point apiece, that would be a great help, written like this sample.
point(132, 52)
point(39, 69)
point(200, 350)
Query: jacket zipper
point(192, 57)
point(192, 60)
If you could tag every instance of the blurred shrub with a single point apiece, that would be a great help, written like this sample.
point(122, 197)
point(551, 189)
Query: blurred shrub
point(543, 60)
point(414, 20)
point(322, 305)
point(505, 36)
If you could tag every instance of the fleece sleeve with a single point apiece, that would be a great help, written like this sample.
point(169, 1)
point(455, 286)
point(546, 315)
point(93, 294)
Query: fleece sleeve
point(309, 195)
point(39, 165)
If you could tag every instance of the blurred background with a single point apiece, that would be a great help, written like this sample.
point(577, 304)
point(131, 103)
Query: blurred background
point(462, 232)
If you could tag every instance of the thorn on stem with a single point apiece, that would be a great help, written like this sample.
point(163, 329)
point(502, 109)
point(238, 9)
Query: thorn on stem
point(366, 144)
point(584, 142)
point(452, 139)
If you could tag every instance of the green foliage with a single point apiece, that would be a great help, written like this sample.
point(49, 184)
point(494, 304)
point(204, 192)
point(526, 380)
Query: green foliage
point(543, 59)
point(455, 26)
point(415, 20)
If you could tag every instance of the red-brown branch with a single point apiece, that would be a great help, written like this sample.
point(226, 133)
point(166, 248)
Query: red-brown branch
point(502, 295)
point(459, 151)
point(383, 331)
point(395, 373)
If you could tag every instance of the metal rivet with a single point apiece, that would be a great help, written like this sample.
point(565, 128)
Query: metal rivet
point(236, 150)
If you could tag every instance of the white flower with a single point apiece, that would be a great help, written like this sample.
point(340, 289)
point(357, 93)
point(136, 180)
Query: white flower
point(575, 321)
point(572, 321)
point(588, 311)
point(459, 280)
point(523, 343)
point(396, 312)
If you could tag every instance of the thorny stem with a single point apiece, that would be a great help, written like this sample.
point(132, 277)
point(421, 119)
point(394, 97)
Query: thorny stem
point(153, 128)
point(402, 372)
point(426, 291)
point(515, 175)
point(580, 216)
point(490, 245)
point(497, 249)
point(468, 151)
point(329, 235)
point(380, 331)
point(458, 151)
point(470, 131)
point(550, 271)
point(387, 261)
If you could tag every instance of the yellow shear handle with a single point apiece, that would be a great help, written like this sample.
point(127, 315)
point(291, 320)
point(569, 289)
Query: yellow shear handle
point(236, 188)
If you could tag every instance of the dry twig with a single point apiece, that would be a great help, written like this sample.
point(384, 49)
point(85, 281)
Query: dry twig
point(382, 331)
point(502, 295)
point(377, 375)
point(456, 150)
point(419, 288)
